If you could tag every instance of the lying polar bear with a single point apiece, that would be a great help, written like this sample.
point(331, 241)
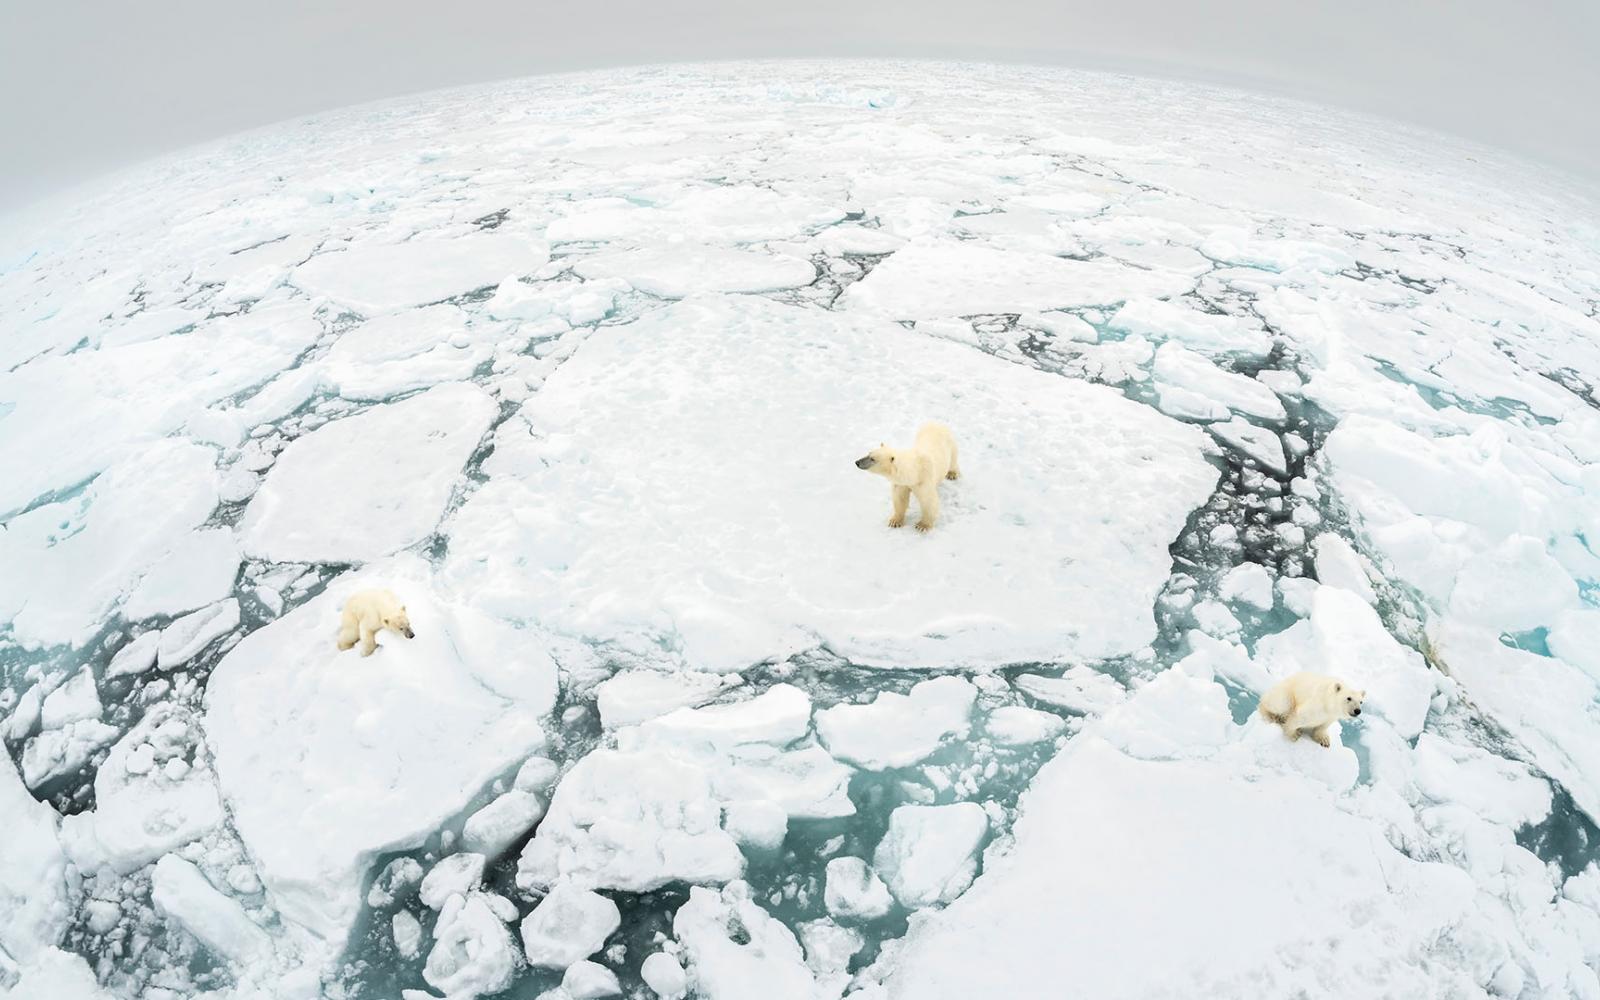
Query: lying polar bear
point(917, 469)
point(1310, 703)
point(365, 613)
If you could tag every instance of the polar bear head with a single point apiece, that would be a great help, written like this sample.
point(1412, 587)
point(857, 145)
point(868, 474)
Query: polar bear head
point(1347, 700)
point(398, 621)
point(896, 464)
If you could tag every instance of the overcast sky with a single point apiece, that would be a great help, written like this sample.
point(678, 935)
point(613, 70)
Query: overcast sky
point(90, 86)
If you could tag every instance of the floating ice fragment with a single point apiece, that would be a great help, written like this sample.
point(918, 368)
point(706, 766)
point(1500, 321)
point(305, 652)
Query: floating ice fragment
point(898, 730)
point(568, 926)
point(929, 854)
point(853, 891)
point(180, 891)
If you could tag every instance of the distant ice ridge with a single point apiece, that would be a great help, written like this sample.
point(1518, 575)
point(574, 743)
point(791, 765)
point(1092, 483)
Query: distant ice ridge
point(579, 365)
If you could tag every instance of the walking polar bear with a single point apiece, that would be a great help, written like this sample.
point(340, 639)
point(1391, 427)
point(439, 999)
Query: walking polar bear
point(365, 613)
point(917, 469)
point(1307, 703)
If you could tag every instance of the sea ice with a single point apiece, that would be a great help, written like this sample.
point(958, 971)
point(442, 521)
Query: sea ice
point(553, 535)
point(929, 854)
point(853, 891)
point(318, 504)
point(327, 758)
point(737, 950)
point(472, 953)
point(181, 892)
point(897, 730)
point(456, 875)
point(676, 271)
point(568, 926)
point(373, 278)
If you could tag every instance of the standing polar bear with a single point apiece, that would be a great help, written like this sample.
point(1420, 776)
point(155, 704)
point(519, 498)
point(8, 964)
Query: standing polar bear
point(368, 611)
point(1310, 703)
point(917, 469)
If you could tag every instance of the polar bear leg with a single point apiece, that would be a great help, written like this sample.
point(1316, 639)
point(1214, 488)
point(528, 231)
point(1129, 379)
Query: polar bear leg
point(347, 636)
point(1320, 734)
point(955, 469)
point(927, 506)
point(369, 639)
point(901, 496)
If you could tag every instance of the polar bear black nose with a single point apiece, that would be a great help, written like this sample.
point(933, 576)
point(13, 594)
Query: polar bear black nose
point(864, 463)
point(1355, 711)
point(412, 635)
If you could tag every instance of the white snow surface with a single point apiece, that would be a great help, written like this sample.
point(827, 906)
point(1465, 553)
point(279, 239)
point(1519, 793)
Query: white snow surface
point(573, 504)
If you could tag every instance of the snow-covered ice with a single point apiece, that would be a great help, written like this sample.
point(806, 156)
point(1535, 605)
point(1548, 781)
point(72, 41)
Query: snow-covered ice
point(369, 485)
point(580, 366)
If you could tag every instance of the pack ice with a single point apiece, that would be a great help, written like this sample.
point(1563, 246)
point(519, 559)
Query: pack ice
point(579, 366)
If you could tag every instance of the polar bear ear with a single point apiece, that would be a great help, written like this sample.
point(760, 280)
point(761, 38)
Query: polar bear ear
point(1337, 687)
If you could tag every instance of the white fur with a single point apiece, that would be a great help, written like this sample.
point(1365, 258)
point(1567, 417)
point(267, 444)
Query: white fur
point(918, 469)
point(1308, 703)
point(368, 611)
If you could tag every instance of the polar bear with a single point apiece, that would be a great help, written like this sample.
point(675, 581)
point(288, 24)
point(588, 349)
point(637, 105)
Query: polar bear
point(1310, 703)
point(367, 611)
point(917, 469)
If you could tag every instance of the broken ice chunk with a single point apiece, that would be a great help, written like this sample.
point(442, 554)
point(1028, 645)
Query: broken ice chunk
point(1338, 565)
point(1248, 583)
point(473, 953)
point(853, 890)
point(217, 921)
point(407, 931)
point(898, 730)
point(568, 926)
point(493, 829)
point(1255, 442)
point(454, 876)
point(634, 696)
point(76, 699)
point(1015, 725)
point(1177, 366)
point(736, 950)
point(196, 571)
point(589, 981)
point(929, 854)
point(1080, 689)
point(136, 657)
point(187, 636)
point(536, 775)
point(778, 716)
point(61, 751)
point(662, 973)
point(659, 821)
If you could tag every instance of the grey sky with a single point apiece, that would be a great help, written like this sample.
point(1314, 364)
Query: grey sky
point(90, 86)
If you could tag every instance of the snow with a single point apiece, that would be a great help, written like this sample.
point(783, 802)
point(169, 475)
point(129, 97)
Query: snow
point(371, 277)
point(327, 759)
point(183, 895)
point(58, 975)
point(853, 891)
point(928, 279)
point(568, 926)
point(763, 959)
point(65, 565)
point(322, 504)
point(553, 535)
point(897, 730)
point(929, 854)
point(1339, 565)
point(55, 752)
point(407, 932)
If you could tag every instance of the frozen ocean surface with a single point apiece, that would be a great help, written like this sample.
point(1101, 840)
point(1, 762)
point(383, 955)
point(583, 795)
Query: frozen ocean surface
point(579, 366)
